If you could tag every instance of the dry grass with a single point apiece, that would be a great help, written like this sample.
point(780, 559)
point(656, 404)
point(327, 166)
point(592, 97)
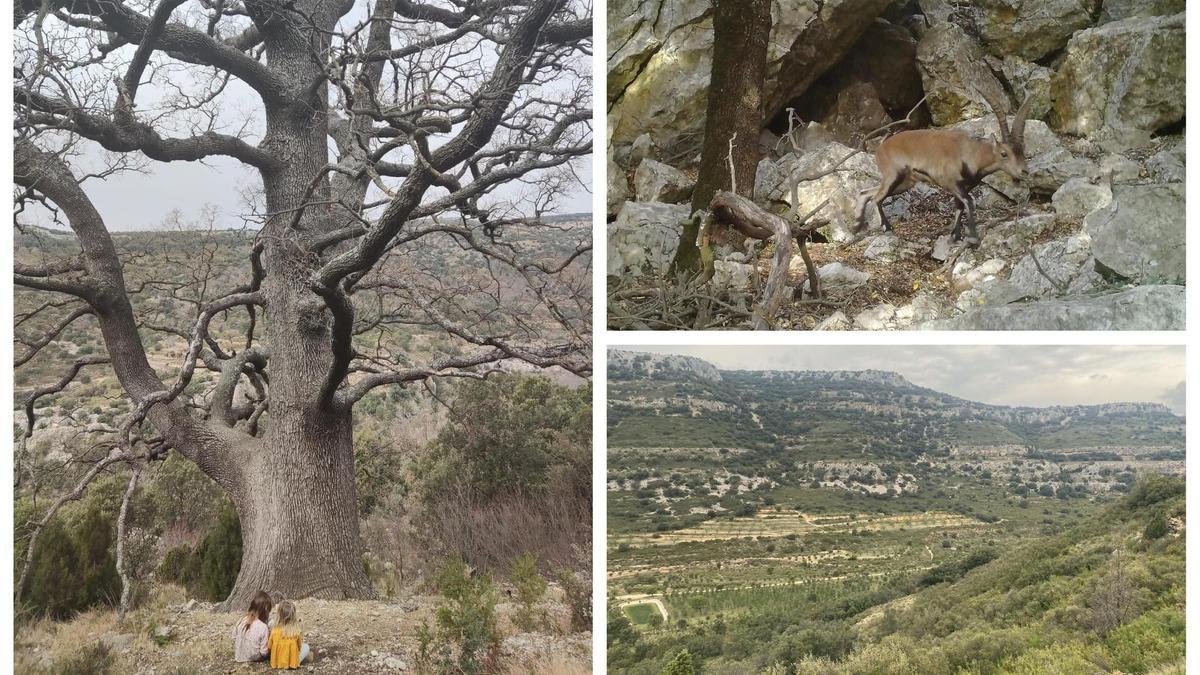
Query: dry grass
point(488, 534)
point(347, 637)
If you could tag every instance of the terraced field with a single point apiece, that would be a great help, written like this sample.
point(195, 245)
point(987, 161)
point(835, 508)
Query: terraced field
point(780, 523)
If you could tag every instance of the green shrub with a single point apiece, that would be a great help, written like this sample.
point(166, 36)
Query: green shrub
point(181, 565)
point(1152, 489)
point(220, 556)
point(464, 639)
point(682, 664)
point(522, 434)
point(49, 588)
point(1153, 639)
point(579, 599)
point(530, 586)
point(1157, 528)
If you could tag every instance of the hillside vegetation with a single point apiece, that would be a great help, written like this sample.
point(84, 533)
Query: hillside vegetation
point(838, 522)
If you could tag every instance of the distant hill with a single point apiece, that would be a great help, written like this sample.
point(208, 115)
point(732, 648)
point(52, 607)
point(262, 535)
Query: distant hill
point(663, 401)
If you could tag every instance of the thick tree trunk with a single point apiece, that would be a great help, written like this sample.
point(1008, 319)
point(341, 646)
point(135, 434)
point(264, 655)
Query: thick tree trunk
point(299, 514)
point(741, 29)
point(298, 502)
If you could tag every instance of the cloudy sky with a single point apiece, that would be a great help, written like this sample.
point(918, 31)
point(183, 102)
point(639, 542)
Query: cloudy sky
point(1004, 375)
point(142, 200)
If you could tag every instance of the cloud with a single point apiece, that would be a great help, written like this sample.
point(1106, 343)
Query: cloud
point(1175, 397)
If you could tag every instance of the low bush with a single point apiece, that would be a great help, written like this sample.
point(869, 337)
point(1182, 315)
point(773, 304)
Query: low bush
point(530, 587)
point(464, 638)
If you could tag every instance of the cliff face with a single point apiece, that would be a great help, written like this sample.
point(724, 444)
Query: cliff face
point(646, 365)
point(848, 409)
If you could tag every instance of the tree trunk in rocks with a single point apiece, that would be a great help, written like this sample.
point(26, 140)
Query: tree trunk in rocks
point(741, 29)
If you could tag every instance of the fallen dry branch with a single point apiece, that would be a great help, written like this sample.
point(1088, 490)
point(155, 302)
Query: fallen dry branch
point(753, 221)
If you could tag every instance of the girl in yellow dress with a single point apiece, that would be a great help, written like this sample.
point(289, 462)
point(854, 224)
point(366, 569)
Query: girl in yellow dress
point(287, 649)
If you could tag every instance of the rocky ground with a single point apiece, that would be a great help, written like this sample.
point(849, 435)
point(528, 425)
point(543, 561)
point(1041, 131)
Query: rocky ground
point(1091, 238)
point(170, 636)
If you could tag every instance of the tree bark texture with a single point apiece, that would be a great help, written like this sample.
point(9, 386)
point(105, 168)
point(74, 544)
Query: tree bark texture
point(741, 31)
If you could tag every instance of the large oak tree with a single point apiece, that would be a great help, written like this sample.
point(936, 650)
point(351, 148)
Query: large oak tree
point(379, 131)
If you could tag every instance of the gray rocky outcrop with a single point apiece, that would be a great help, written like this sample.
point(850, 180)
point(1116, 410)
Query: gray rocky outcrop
point(1139, 236)
point(775, 178)
point(643, 238)
point(1125, 79)
point(660, 61)
point(657, 182)
point(1140, 308)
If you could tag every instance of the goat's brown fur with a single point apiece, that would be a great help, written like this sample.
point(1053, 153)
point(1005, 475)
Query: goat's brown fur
point(951, 160)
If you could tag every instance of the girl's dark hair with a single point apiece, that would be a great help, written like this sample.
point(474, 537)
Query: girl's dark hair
point(260, 608)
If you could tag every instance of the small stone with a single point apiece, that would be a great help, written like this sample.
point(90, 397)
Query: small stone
point(836, 321)
point(395, 663)
point(941, 248)
point(838, 275)
point(876, 318)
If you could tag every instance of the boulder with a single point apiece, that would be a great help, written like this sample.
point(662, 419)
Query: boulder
point(942, 247)
point(657, 182)
point(1067, 268)
point(924, 307)
point(643, 238)
point(642, 149)
point(660, 61)
point(775, 179)
point(1127, 75)
point(117, 643)
point(856, 112)
point(1115, 10)
point(1140, 308)
point(730, 274)
point(659, 64)
point(1027, 79)
point(966, 275)
point(618, 187)
point(1168, 165)
point(1140, 235)
point(1014, 236)
point(1079, 196)
point(888, 247)
point(952, 72)
point(1029, 29)
point(836, 275)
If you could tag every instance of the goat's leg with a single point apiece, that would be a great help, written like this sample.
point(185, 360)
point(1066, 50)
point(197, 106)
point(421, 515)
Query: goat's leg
point(862, 209)
point(956, 231)
point(972, 233)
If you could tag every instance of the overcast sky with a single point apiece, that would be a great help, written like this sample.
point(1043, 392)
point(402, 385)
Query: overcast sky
point(140, 201)
point(1003, 375)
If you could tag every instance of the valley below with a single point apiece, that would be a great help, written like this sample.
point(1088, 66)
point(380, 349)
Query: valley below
point(851, 521)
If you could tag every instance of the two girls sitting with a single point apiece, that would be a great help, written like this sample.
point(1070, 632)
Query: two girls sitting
point(255, 640)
